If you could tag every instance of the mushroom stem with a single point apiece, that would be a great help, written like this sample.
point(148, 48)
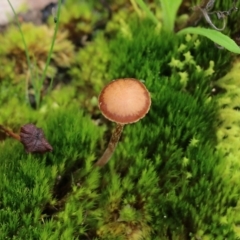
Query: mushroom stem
point(10, 133)
point(111, 146)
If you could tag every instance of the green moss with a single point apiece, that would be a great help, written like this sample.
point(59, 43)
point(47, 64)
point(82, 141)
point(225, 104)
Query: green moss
point(38, 41)
point(175, 130)
point(81, 19)
point(25, 198)
point(228, 130)
point(13, 115)
point(174, 174)
point(90, 69)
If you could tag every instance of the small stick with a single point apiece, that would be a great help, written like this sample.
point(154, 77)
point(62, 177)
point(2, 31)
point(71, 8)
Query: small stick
point(111, 146)
point(10, 133)
point(197, 13)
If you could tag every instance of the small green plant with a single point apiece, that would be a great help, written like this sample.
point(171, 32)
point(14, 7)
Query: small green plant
point(216, 36)
point(144, 8)
point(37, 80)
point(169, 11)
point(80, 21)
point(222, 40)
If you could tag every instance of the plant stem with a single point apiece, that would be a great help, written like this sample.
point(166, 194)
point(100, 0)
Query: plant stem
point(146, 9)
point(23, 40)
point(10, 133)
point(50, 51)
point(38, 86)
point(169, 12)
point(197, 14)
point(111, 146)
point(136, 8)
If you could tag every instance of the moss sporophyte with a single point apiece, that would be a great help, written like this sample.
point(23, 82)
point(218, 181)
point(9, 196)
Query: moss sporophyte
point(123, 101)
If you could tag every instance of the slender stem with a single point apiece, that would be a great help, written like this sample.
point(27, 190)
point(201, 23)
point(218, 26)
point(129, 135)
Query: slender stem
point(111, 146)
point(51, 49)
point(197, 14)
point(38, 87)
point(23, 40)
point(146, 9)
point(208, 19)
point(10, 133)
point(136, 8)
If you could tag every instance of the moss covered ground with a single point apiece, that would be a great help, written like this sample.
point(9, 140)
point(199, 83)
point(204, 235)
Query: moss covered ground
point(174, 174)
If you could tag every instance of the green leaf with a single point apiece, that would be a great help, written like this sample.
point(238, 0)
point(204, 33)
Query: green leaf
point(169, 9)
point(146, 9)
point(215, 36)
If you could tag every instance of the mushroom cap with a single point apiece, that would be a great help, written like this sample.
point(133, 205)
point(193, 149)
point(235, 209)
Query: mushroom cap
point(124, 100)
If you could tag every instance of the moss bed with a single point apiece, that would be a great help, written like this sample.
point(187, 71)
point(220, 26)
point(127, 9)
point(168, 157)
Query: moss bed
point(174, 175)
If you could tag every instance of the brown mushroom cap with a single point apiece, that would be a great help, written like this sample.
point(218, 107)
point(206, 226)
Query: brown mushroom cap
point(124, 100)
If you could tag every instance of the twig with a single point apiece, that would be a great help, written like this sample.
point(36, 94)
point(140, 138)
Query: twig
point(208, 19)
point(10, 133)
point(203, 10)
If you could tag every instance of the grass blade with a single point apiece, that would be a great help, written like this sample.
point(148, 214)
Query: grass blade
point(146, 9)
point(169, 9)
point(216, 36)
point(51, 48)
point(25, 47)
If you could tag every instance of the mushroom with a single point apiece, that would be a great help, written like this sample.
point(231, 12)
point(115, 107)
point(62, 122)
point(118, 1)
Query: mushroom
point(124, 101)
